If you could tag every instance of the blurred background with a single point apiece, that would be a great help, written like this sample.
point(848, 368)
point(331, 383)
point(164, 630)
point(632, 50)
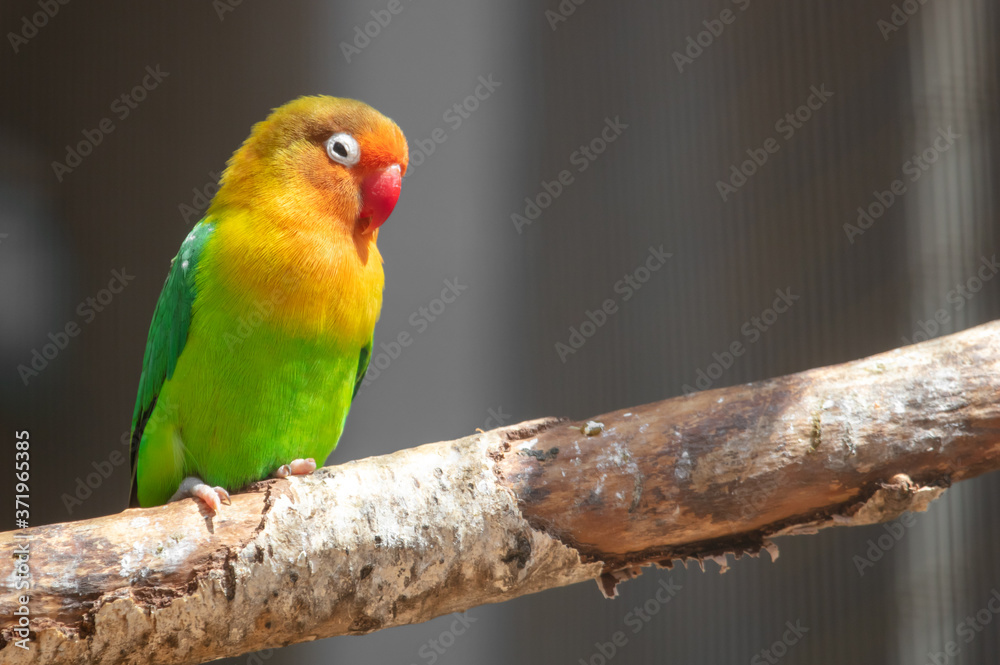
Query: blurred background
point(844, 152)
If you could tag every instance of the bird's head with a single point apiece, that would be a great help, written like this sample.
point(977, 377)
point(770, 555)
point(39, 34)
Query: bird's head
point(325, 159)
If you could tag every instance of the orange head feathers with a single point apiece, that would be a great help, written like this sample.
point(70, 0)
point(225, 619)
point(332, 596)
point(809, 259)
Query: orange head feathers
point(319, 156)
point(304, 196)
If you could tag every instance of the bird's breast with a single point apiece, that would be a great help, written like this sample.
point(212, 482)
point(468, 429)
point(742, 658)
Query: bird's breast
point(306, 285)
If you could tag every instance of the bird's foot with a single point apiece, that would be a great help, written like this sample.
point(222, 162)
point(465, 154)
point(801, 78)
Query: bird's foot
point(298, 467)
point(212, 497)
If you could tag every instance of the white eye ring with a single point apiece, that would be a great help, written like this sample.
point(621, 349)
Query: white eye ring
point(343, 149)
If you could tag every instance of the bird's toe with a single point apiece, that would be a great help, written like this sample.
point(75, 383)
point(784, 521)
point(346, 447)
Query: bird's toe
point(212, 497)
point(298, 467)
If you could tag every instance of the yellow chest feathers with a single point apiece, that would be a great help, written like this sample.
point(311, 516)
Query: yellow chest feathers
point(309, 281)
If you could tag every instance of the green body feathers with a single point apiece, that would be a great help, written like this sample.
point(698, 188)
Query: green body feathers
point(229, 395)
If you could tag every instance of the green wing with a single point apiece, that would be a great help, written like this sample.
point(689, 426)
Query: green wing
point(363, 360)
point(168, 332)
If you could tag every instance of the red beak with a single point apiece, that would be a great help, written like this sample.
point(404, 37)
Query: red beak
point(379, 193)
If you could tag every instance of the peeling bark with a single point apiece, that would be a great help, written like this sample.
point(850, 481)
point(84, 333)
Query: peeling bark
point(403, 538)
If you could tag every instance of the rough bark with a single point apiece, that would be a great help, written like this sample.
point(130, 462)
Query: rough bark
point(443, 527)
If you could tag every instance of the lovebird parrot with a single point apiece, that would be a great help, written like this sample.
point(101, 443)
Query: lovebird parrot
point(263, 331)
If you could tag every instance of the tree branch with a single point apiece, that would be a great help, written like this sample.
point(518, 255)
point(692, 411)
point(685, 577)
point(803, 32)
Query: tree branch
point(403, 538)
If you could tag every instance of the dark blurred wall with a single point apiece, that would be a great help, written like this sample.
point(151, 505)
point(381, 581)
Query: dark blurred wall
point(661, 130)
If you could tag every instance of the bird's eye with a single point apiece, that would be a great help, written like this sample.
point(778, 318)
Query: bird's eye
point(343, 149)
